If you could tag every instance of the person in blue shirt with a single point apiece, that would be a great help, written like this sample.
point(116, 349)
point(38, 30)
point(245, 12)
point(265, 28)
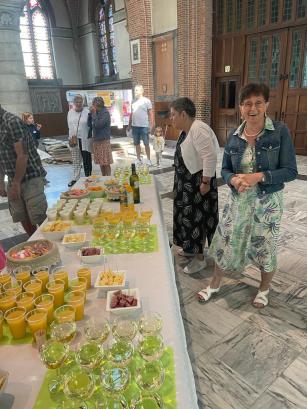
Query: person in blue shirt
point(259, 157)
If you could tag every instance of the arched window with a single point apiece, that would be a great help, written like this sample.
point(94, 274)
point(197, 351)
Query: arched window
point(35, 42)
point(106, 39)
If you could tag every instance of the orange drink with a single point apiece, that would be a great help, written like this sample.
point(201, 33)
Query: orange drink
point(25, 300)
point(4, 277)
point(7, 301)
point(42, 274)
point(66, 313)
point(56, 288)
point(37, 319)
point(45, 301)
point(0, 288)
point(15, 318)
point(13, 288)
point(33, 286)
point(61, 274)
point(23, 274)
point(1, 324)
point(79, 284)
point(76, 299)
point(86, 273)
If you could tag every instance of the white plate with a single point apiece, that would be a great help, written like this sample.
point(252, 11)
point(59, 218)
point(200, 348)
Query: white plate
point(130, 291)
point(74, 245)
point(111, 287)
point(91, 259)
point(3, 385)
point(54, 235)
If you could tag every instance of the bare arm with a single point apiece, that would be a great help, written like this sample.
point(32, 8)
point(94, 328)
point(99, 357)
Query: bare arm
point(151, 119)
point(20, 169)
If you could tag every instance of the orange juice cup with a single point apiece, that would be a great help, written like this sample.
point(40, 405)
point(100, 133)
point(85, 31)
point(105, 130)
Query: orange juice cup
point(56, 288)
point(7, 301)
point(76, 299)
point(25, 300)
point(61, 274)
point(5, 277)
point(42, 274)
point(13, 288)
point(78, 284)
point(66, 313)
point(22, 273)
point(15, 318)
point(1, 324)
point(86, 273)
point(33, 286)
point(37, 319)
point(45, 301)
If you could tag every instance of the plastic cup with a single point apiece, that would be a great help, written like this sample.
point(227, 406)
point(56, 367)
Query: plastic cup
point(76, 299)
point(78, 284)
point(22, 273)
point(7, 302)
point(37, 319)
point(86, 273)
point(5, 277)
point(33, 286)
point(25, 300)
point(1, 324)
point(61, 274)
point(13, 288)
point(15, 318)
point(65, 313)
point(56, 288)
point(42, 274)
point(45, 301)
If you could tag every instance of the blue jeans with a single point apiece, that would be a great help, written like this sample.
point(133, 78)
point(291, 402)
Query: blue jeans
point(138, 133)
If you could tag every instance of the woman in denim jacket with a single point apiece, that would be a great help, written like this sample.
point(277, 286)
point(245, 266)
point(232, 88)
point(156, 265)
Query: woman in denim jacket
point(259, 158)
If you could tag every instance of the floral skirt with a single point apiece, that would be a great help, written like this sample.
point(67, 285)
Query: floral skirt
point(248, 231)
point(102, 152)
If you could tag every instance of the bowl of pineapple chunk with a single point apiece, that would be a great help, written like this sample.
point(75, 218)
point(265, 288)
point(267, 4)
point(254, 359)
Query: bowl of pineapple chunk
point(111, 280)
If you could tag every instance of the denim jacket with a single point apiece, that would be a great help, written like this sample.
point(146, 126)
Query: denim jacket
point(275, 156)
point(101, 122)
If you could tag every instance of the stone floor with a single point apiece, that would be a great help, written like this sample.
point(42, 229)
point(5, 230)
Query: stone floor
point(242, 358)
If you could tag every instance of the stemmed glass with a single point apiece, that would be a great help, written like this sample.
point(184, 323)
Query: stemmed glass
point(150, 376)
point(151, 347)
point(115, 381)
point(79, 385)
point(150, 324)
point(124, 329)
point(128, 232)
point(121, 352)
point(97, 330)
point(153, 401)
point(143, 229)
point(90, 355)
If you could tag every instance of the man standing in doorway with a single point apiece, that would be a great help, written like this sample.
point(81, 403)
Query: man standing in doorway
point(20, 162)
point(141, 121)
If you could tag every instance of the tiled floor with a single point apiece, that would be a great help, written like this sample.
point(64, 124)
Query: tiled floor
point(242, 358)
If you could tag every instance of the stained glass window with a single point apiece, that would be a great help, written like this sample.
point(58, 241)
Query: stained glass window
point(229, 11)
point(301, 8)
point(304, 82)
point(106, 39)
point(274, 11)
point(220, 17)
point(287, 10)
point(252, 60)
point(261, 12)
point(275, 61)
point(239, 15)
point(35, 42)
point(250, 13)
point(263, 59)
point(295, 58)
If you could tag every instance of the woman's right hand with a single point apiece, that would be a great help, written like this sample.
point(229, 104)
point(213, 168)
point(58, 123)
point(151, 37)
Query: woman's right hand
point(239, 184)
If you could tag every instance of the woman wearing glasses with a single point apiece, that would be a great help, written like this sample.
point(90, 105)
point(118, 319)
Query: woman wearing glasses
point(259, 158)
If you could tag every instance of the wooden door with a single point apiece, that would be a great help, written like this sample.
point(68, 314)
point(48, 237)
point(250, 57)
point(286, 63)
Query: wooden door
point(294, 104)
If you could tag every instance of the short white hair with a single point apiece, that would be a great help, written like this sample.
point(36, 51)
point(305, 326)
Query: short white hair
point(140, 87)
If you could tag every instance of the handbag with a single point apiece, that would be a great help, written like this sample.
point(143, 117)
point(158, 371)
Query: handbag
point(73, 141)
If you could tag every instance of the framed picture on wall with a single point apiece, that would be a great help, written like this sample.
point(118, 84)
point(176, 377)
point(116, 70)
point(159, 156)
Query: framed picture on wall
point(135, 51)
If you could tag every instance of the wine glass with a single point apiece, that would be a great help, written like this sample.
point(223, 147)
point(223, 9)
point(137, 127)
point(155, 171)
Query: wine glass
point(115, 380)
point(121, 352)
point(143, 229)
point(150, 376)
point(97, 331)
point(128, 233)
point(124, 329)
point(153, 401)
point(79, 385)
point(90, 355)
point(151, 347)
point(150, 324)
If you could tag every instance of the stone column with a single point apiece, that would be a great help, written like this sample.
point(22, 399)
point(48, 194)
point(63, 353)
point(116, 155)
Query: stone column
point(14, 90)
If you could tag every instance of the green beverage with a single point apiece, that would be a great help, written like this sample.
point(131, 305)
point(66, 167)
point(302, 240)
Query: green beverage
point(151, 347)
point(150, 376)
point(124, 329)
point(148, 402)
point(150, 324)
point(63, 332)
point(97, 331)
point(90, 355)
point(78, 383)
point(54, 354)
point(121, 352)
point(115, 380)
point(134, 183)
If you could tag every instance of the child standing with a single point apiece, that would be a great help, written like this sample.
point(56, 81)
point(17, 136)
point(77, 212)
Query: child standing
point(158, 144)
point(34, 128)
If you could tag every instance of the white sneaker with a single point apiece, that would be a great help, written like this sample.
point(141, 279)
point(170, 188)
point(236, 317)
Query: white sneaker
point(138, 162)
point(148, 162)
point(195, 266)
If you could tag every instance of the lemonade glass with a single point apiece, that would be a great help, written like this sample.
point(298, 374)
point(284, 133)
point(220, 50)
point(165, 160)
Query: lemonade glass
point(15, 319)
point(45, 301)
point(22, 273)
point(25, 300)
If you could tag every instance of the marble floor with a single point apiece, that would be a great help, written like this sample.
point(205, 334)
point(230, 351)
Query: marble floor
point(242, 358)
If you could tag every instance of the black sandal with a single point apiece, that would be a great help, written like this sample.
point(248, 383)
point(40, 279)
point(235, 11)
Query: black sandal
point(70, 184)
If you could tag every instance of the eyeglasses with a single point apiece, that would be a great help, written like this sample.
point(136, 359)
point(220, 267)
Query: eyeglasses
point(249, 104)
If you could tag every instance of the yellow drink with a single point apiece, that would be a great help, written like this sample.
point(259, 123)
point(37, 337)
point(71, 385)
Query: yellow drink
point(13, 288)
point(79, 284)
point(33, 286)
point(86, 273)
point(76, 299)
point(37, 319)
point(23, 276)
point(7, 302)
point(61, 274)
point(0, 288)
point(66, 313)
point(43, 275)
point(25, 300)
point(1, 324)
point(45, 301)
point(56, 288)
point(15, 318)
point(4, 277)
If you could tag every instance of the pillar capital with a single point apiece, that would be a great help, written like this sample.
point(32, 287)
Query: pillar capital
point(10, 11)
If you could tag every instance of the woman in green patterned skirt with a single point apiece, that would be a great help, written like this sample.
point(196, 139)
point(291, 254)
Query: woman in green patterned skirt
point(259, 158)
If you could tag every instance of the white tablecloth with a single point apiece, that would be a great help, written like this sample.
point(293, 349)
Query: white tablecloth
point(154, 275)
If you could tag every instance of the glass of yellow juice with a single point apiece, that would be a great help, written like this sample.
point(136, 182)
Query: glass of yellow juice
point(60, 273)
point(14, 287)
point(76, 299)
point(15, 318)
point(7, 301)
point(33, 286)
point(45, 301)
point(66, 313)
point(5, 277)
point(42, 274)
point(1, 324)
point(22, 273)
point(0, 288)
point(56, 288)
point(37, 319)
point(78, 284)
point(86, 273)
point(25, 300)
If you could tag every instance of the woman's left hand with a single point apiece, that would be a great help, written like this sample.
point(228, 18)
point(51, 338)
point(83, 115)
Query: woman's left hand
point(204, 189)
point(250, 179)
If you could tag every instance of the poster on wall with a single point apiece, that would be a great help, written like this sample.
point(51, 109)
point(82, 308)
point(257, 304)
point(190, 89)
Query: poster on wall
point(117, 101)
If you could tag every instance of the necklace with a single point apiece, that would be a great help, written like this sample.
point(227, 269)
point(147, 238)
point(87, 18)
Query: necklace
point(251, 135)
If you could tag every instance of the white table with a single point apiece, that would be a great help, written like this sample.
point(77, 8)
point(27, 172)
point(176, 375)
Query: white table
point(154, 275)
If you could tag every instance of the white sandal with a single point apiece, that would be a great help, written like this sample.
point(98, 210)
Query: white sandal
point(205, 294)
point(261, 298)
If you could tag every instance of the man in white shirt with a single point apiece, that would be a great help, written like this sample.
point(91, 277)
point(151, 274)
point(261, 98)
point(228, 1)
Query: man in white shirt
point(141, 121)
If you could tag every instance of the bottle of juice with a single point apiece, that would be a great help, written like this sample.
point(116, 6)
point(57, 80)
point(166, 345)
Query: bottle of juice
point(134, 183)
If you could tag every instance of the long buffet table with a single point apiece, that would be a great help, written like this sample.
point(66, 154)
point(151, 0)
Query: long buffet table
point(153, 274)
